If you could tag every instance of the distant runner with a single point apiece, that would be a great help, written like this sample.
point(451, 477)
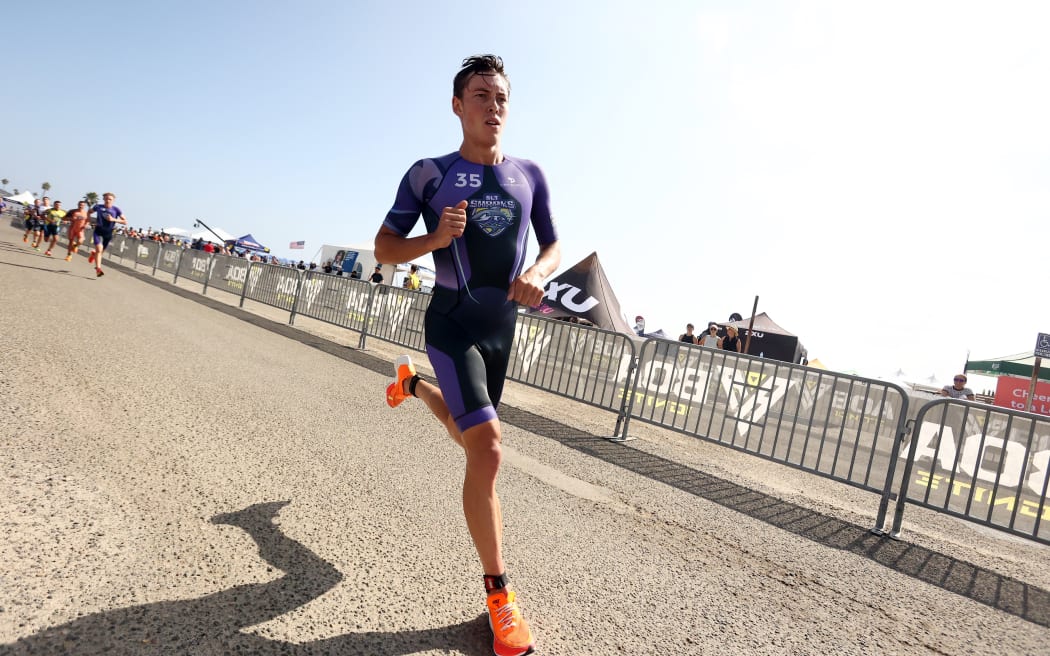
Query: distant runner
point(78, 220)
point(107, 216)
point(52, 224)
point(39, 212)
point(30, 214)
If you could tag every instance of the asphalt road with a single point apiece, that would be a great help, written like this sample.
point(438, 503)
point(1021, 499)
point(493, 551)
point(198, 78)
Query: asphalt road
point(184, 477)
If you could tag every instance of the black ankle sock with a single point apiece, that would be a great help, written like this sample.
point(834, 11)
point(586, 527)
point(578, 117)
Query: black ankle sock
point(497, 582)
point(412, 385)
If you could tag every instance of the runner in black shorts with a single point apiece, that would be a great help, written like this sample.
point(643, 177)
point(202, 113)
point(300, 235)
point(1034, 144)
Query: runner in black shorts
point(30, 215)
point(37, 213)
point(107, 216)
point(53, 219)
point(478, 205)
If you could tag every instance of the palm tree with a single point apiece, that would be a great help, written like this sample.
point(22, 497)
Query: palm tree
point(91, 198)
point(46, 187)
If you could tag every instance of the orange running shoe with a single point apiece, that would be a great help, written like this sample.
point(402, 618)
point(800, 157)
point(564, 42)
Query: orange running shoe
point(91, 258)
point(48, 253)
point(69, 258)
point(510, 632)
point(25, 240)
point(395, 391)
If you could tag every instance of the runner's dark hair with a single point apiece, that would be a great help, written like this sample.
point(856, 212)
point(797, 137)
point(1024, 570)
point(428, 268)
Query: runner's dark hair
point(478, 64)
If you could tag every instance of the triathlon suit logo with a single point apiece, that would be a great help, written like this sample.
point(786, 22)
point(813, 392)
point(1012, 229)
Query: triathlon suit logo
point(493, 213)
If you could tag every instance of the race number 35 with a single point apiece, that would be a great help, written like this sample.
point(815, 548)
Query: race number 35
point(462, 180)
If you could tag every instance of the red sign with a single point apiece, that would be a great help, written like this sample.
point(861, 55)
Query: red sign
point(1012, 392)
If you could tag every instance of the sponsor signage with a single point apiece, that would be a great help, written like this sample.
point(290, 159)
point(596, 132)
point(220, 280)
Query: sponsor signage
point(1012, 392)
point(347, 261)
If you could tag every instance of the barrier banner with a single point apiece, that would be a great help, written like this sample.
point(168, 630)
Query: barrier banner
point(146, 253)
point(273, 285)
point(194, 265)
point(169, 258)
point(229, 274)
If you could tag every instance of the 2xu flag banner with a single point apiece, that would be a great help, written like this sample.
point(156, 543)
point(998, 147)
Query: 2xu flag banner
point(584, 292)
point(1012, 392)
point(297, 245)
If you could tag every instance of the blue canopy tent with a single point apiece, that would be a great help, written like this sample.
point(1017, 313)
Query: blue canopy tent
point(248, 243)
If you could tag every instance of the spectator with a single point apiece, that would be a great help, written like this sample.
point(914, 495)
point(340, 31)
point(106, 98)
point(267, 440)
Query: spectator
point(639, 325)
point(377, 275)
point(688, 337)
point(412, 280)
point(731, 342)
point(711, 339)
point(958, 389)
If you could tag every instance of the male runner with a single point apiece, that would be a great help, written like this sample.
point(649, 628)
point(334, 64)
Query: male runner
point(30, 214)
point(39, 211)
point(78, 219)
point(52, 224)
point(107, 216)
point(477, 205)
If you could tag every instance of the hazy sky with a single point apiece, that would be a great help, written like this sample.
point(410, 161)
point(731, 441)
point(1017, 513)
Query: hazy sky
point(877, 172)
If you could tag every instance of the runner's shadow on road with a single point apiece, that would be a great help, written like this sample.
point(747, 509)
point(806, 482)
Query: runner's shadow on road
point(15, 248)
point(61, 272)
point(213, 624)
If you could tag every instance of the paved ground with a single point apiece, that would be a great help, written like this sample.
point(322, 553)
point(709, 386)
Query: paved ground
point(183, 477)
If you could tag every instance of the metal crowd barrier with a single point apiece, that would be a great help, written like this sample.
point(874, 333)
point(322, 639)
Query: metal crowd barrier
point(976, 462)
point(589, 365)
point(396, 315)
point(344, 302)
point(839, 426)
point(981, 463)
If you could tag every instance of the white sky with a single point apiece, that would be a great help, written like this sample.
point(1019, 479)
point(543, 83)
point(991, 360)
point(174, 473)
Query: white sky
point(876, 172)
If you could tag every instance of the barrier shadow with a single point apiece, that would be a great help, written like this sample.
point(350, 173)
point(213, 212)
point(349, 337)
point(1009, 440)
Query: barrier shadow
point(212, 624)
point(982, 585)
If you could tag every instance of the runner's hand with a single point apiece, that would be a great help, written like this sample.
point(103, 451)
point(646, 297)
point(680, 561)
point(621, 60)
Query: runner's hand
point(527, 289)
point(451, 225)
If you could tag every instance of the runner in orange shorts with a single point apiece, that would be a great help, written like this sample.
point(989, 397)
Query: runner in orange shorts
point(78, 219)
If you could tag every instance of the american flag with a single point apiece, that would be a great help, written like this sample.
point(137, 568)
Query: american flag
point(297, 245)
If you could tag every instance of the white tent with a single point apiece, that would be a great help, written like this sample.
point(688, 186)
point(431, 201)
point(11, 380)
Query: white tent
point(210, 235)
point(176, 232)
point(26, 198)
